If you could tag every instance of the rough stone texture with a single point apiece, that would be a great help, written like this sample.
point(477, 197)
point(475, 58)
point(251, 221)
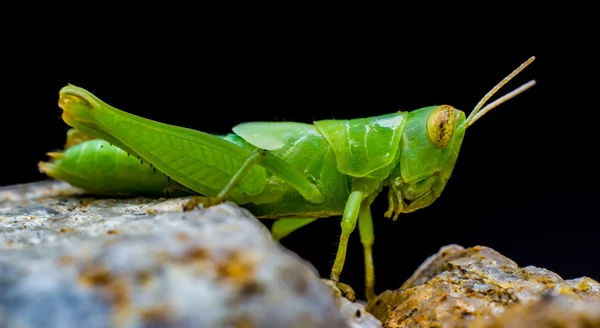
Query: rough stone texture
point(478, 287)
point(549, 312)
point(68, 260)
point(355, 312)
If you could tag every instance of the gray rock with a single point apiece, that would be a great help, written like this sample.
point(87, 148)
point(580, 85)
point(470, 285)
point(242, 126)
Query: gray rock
point(478, 287)
point(355, 312)
point(68, 260)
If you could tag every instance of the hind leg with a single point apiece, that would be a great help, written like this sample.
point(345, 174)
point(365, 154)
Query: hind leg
point(252, 160)
point(273, 164)
point(285, 226)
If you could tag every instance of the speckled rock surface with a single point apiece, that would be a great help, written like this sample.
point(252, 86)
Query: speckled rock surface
point(354, 312)
point(548, 312)
point(478, 287)
point(67, 260)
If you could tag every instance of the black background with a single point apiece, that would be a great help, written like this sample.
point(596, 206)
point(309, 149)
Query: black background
point(525, 183)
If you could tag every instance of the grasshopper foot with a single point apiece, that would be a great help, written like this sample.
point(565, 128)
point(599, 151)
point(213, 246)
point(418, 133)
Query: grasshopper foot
point(176, 191)
point(347, 291)
point(193, 203)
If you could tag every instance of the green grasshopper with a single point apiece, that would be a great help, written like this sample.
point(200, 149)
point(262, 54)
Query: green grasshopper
point(292, 172)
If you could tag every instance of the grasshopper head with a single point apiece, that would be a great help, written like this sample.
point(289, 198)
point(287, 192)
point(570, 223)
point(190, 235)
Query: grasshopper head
point(430, 145)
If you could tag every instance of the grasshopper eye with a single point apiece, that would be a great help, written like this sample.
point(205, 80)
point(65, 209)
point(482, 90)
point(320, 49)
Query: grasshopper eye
point(441, 124)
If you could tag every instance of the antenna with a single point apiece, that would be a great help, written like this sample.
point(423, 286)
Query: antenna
point(471, 119)
point(501, 100)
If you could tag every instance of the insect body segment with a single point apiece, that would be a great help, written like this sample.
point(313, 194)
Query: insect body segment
point(364, 146)
point(295, 171)
point(101, 168)
point(75, 137)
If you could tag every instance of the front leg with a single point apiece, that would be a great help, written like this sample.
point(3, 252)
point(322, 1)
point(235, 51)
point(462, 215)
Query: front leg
point(348, 224)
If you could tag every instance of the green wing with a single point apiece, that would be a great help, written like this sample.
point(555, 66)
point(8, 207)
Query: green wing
point(364, 145)
point(270, 135)
point(198, 160)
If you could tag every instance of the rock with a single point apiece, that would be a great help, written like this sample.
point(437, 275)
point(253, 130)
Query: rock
point(478, 287)
point(354, 312)
point(69, 260)
point(548, 312)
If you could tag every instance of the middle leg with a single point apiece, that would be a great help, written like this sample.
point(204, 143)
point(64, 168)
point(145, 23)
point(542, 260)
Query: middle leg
point(367, 237)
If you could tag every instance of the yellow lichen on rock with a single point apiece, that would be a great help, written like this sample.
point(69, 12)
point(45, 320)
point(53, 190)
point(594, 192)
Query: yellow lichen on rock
point(478, 287)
